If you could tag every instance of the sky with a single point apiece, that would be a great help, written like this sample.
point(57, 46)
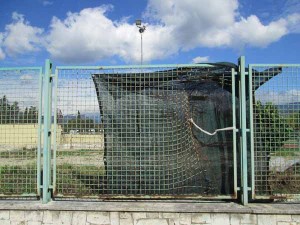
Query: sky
point(91, 32)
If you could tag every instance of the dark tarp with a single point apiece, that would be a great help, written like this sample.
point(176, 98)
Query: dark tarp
point(150, 145)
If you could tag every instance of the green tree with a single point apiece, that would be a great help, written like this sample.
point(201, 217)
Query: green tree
point(271, 131)
point(78, 117)
point(271, 128)
point(294, 120)
point(32, 115)
point(11, 113)
point(4, 113)
point(80, 124)
point(15, 110)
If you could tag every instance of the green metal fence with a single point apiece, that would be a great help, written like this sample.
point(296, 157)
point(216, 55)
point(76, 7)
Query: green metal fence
point(124, 132)
point(274, 102)
point(147, 132)
point(20, 131)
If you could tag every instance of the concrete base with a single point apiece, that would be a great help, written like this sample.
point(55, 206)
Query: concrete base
point(147, 213)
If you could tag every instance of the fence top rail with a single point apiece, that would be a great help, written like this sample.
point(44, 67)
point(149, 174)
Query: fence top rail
point(133, 66)
point(277, 65)
point(20, 68)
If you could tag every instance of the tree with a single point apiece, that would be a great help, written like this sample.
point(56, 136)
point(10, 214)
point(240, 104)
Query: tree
point(11, 113)
point(294, 120)
point(15, 110)
point(4, 114)
point(271, 131)
point(80, 124)
point(32, 115)
point(78, 115)
point(271, 128)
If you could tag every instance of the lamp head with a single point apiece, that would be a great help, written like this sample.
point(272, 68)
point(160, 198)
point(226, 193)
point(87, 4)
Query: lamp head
point(138, 23)
point(142, 29)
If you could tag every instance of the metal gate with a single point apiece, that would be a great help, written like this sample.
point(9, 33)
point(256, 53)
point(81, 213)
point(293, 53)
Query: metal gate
point(274, 123)
point(126, 132)
point(20, 132)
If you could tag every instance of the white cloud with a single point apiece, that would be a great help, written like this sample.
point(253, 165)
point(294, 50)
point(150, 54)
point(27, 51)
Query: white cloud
point(20, 37)
point(278, 97)
point(2, 54)
point(90, 35)
point(174, 26)
point(200, 59)
point(26, 77)
point(293, 22)
point(46, 3)
point(218, 24)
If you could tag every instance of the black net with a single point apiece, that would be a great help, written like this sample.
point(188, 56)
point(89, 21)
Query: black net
point(150, 147)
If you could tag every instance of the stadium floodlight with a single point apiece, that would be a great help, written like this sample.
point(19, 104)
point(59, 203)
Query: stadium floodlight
point(142, 29)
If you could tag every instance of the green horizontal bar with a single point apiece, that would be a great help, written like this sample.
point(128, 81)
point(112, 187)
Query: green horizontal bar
point(132, 66)
point(20, 68)
point(279, 65)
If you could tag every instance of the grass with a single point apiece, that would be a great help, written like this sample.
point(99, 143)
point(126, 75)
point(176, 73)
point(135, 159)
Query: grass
point(31, 153)
point(18, 180)
point(290, 148)
point(18, 153)
point(71, 180)
point(80, 152)
point(79, 180)
point(286, 152)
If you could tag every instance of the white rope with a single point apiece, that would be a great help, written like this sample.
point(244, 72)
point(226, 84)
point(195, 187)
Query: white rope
point(206, 132)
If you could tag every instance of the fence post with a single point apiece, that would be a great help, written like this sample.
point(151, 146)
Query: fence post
point(47, 133)
point(243, 134)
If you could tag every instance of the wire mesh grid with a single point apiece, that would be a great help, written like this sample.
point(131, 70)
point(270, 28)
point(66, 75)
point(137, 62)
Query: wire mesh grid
point(126, 132)
point(276, 123)
point(19, 126)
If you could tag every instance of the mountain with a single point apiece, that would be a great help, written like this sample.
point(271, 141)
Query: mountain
point(289, 107)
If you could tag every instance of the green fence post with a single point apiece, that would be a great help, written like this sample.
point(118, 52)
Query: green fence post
point(39, 181)
point(234, 133)
point(243, 129)
point(47, 132)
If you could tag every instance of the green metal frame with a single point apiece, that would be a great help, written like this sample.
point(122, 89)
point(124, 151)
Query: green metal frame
point(56, 80)
point(46, 196)
point(39, 169)
point(251, 132)
point(243, 130)
point(234, 132)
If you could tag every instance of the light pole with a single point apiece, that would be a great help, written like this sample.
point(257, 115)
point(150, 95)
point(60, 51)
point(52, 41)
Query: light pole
point(138, 23)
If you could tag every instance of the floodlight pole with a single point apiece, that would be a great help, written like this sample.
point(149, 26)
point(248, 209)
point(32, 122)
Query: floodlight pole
point(142, 29)
point(141, 49)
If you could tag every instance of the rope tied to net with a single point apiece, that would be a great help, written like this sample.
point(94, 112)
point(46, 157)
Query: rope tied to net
point(208, 133)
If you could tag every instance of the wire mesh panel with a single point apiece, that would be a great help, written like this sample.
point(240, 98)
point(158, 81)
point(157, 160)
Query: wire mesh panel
point(275, 138)
point(19, 131)
point(125, 132)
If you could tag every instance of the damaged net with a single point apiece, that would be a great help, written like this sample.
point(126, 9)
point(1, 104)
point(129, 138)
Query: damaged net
point(150, 146)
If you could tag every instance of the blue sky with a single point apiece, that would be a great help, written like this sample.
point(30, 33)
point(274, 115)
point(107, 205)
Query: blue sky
point(90, 32)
